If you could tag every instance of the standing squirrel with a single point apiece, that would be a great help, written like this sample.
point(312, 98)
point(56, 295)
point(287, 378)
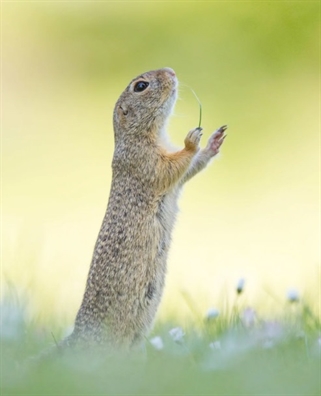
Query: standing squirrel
point(127, 273)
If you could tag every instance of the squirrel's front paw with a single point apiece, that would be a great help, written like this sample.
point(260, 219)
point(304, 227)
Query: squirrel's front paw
point(192, 139)
point(216, 140)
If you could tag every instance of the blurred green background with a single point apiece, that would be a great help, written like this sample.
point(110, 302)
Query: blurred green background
point(253, 213)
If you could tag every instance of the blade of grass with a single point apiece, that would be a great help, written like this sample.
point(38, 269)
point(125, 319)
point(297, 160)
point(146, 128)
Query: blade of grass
point(200, 104)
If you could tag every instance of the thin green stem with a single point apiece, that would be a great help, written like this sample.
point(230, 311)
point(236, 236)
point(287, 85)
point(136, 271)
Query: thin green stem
point(200, 104)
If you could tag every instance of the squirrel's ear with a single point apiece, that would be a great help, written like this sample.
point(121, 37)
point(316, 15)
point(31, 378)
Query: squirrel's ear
point(123, 108)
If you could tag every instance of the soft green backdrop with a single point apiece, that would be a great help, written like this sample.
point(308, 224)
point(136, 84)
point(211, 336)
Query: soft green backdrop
point(253, 213)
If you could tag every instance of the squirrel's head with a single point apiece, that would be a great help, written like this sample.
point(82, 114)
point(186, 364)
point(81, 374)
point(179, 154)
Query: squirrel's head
point(146, 103)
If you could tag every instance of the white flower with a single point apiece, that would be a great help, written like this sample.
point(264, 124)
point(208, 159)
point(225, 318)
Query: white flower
point(177, 334)
point(212, 313)
point(215, 345)
point(248, 317)
point(272, 330)
point(293, 295)
point(240, 286)
point(157, 343)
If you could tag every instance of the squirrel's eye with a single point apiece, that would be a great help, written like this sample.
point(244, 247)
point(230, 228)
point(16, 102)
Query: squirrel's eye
point(140, 86)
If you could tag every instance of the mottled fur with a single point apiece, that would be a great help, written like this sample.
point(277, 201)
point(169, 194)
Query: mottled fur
point(127, 273)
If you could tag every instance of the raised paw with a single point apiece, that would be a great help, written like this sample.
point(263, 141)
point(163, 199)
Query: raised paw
point(215, 141)
point(192, 139)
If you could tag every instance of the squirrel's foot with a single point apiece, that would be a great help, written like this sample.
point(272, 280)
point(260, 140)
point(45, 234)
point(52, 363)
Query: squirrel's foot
point(192, 139)
point(216, 140)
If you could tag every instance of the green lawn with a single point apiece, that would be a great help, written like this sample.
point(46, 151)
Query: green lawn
point(236, 352)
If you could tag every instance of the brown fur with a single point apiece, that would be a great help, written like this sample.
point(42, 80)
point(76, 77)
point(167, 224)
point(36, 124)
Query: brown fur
point(127, 273)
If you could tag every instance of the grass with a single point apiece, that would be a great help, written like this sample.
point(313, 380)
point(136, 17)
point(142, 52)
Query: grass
point(235, 352)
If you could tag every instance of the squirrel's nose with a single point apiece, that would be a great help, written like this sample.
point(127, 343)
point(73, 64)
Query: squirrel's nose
point(170, 71)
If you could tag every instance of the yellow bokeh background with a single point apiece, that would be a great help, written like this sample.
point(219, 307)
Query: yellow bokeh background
point(253, 213)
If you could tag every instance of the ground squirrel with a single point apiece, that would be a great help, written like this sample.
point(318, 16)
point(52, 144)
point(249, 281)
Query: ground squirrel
point(127, 273)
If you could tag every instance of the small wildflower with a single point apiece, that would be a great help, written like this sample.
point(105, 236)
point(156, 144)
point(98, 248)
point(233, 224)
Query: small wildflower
point(212, 313)
point(215, 345)
point(240, 286)
point(272, 330)
point(157, 343)
point(177, 334)
point(270, 334)
point(293, 295)
point(248, 317)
